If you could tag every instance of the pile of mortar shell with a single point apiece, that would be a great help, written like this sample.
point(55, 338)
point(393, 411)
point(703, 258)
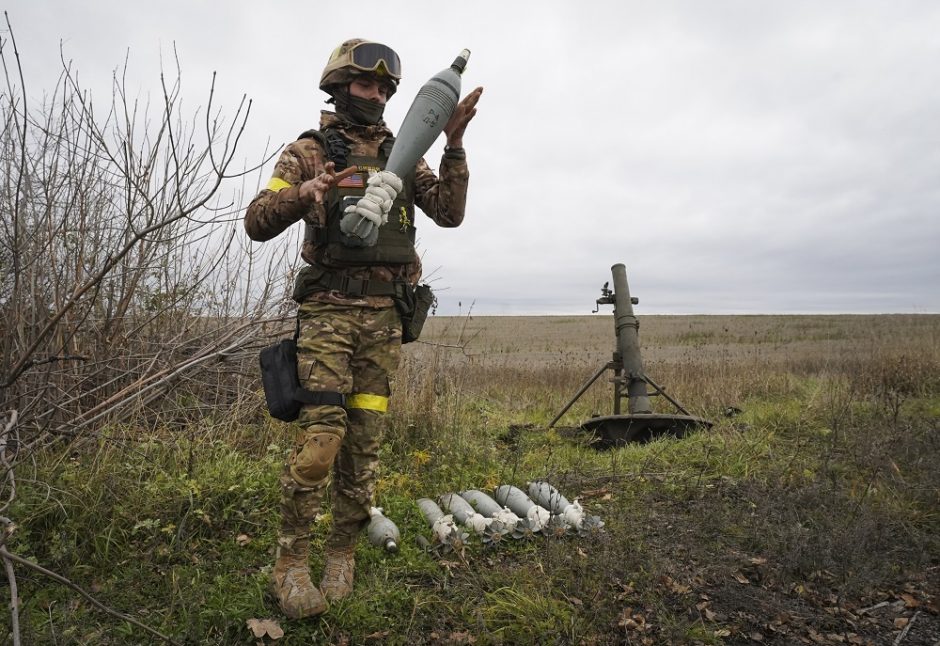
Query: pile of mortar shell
point(512, 514)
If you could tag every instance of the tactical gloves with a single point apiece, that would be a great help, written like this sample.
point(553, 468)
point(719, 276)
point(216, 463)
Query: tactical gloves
point(361, 221)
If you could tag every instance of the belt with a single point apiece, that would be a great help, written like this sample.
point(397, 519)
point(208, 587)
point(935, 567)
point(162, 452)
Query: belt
point(360, 286)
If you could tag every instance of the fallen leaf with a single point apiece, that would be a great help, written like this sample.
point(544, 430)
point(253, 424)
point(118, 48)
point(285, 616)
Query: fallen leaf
point(740, 578)
point(242, 539)
point(900, 622)
point(624, 617)
point(630, 620)
point(626, 590)
point(254, 625)
point(265, 627)
point(756, 637)
point(674, 586)
point(722, 632)
point(910, 601)
point(758, 561)
point(382, 634)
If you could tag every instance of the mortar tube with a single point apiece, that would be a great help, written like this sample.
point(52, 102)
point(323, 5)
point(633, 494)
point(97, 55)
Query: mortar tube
point(626, 327)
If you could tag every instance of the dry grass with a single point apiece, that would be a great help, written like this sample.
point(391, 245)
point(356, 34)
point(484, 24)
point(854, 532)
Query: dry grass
point(707, 362)
point(820, 498)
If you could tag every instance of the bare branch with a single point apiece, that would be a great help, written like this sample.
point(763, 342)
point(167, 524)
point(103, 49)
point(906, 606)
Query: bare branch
point(14, 601)
point(5, 441)
point(6, 555)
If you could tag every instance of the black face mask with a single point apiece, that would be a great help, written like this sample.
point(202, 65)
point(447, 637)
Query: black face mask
point(361, 111)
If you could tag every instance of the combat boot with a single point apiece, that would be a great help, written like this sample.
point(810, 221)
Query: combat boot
point(338, 566)
point(290, 581)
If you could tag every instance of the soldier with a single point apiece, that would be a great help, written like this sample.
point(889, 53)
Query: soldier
point(350, 335)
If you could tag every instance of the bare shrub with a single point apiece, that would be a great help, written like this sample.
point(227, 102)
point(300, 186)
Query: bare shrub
point(128, 299)
point(125, 283)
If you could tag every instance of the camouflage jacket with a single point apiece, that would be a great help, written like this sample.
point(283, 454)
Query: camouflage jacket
point(279, 205)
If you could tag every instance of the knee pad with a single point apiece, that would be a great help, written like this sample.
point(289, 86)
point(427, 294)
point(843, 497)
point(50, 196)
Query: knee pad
point(311, 465)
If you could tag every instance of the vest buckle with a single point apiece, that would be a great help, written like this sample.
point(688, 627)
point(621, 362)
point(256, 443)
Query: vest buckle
point(354, 286)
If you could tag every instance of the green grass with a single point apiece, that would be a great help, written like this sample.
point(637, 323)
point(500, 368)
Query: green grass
point(827, 479)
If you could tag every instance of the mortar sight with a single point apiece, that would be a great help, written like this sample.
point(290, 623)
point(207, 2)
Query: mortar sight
point(630, 382)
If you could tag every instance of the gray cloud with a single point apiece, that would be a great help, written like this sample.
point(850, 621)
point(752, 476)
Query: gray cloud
point(736, 156)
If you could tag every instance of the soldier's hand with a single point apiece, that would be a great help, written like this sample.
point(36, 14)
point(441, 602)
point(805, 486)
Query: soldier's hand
point(463, 113)
point(313, 190)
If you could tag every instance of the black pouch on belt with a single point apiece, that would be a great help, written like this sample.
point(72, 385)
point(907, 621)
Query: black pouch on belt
point(307, 281)
point(413, 305)
point(282, 390)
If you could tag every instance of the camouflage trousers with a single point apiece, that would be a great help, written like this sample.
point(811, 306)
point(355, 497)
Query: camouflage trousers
point(355, 351)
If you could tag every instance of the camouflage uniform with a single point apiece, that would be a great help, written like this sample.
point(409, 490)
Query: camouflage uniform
point(348, 343)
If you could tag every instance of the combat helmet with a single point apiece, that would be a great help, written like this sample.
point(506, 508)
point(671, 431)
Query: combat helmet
point(358, 56)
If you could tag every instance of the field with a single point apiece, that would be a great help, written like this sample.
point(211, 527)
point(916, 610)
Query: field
point(809, 513)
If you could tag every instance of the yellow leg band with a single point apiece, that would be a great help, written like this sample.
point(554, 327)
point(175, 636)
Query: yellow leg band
point(368, 402)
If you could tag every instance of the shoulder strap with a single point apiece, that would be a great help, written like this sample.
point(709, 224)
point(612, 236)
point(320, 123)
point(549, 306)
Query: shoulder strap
point(314, 134)
point(333, 143)
point(386, 148)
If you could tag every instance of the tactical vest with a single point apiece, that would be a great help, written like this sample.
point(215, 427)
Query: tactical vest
point(396, 241)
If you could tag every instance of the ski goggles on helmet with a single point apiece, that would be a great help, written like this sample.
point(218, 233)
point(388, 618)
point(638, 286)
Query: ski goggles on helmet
point(373, 57)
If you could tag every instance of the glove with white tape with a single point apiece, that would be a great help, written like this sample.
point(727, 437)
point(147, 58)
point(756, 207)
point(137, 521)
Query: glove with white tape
point(357, 231)
point(361, 221)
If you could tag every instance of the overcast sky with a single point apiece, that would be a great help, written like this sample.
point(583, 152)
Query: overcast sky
point(737, 157)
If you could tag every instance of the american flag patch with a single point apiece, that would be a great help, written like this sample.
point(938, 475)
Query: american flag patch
point(353, 181)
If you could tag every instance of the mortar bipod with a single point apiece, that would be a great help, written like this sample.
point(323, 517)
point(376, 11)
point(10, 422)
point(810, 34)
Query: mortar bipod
point(630, 381)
